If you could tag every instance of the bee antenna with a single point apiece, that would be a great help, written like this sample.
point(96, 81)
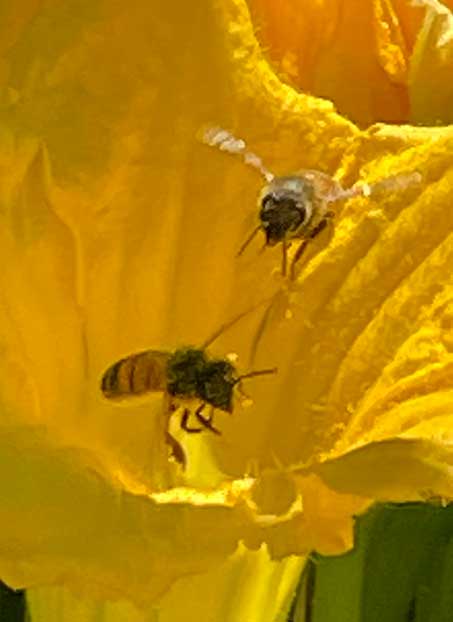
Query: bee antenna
point(258, 372)
point(233, 321)
point(248, 240)
point(225, 141)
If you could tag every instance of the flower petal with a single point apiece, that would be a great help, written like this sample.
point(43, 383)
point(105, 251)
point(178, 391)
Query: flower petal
point(140, 221)
point(64, 521)
point(431, 66)
point(245, 586)
point(137, 225)
point(397, 470)
point(326, 524)
point(120, 230)
point(368, 342)
point(356, 55)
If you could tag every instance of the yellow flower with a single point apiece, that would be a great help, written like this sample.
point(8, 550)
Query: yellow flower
point(119, 232)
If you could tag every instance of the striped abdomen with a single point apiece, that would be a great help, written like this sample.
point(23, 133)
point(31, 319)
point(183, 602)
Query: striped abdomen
point(140, 373)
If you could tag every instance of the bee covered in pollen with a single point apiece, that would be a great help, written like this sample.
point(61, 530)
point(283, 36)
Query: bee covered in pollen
point(186, 376)
point(298, 206)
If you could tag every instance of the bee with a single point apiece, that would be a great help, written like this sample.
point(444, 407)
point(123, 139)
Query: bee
point(299, 206)
point(185, 376)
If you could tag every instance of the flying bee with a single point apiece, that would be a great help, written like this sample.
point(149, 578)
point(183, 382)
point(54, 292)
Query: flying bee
point(185, 376)
point(298, 206)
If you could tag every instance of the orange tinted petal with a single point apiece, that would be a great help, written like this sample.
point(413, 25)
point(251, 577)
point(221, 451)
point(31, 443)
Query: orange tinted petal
point(431, 89)
point(353, 53)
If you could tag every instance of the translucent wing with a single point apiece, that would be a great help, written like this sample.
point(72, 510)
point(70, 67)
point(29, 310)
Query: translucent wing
point(325, 187)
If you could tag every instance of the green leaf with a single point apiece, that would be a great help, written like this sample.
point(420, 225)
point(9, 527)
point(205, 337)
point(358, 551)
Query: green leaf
point(401, 570)
point(12, 605)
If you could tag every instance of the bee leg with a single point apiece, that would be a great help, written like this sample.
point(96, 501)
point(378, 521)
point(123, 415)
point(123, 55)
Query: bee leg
point(300, 251)
point(176, 449)
point(243, 394)
point(259, 333)
point(211, 412)
point(185, 419)
point(206, 421)
point(285, 246)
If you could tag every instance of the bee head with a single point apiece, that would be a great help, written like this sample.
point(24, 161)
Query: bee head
point(183, 371)
point(216, 384)
point(286, 206)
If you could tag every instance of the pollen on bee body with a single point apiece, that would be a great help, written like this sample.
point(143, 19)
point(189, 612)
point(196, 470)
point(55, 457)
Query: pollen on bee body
point(377, 215)
point(232, 357)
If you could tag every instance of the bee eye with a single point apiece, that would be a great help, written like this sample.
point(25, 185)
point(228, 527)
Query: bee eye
point(281, 216)
point(268, 202)
point(283, 205)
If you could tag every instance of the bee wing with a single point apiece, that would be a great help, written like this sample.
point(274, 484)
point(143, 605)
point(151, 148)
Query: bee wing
point(135, 375)
point(325, 186)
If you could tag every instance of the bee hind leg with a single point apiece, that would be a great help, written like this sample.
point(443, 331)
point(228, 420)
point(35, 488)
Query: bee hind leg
point(206, 421)
point(301, 249)
point(176, 450)
point(242, 393)
point(184, 422)
point(285, 246)
point(260, 331)
point(297, 256)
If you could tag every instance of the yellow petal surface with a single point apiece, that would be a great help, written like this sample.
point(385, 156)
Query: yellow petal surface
point(370, 332)
point(246, 586)
point(64, 521)
point(326, 523)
